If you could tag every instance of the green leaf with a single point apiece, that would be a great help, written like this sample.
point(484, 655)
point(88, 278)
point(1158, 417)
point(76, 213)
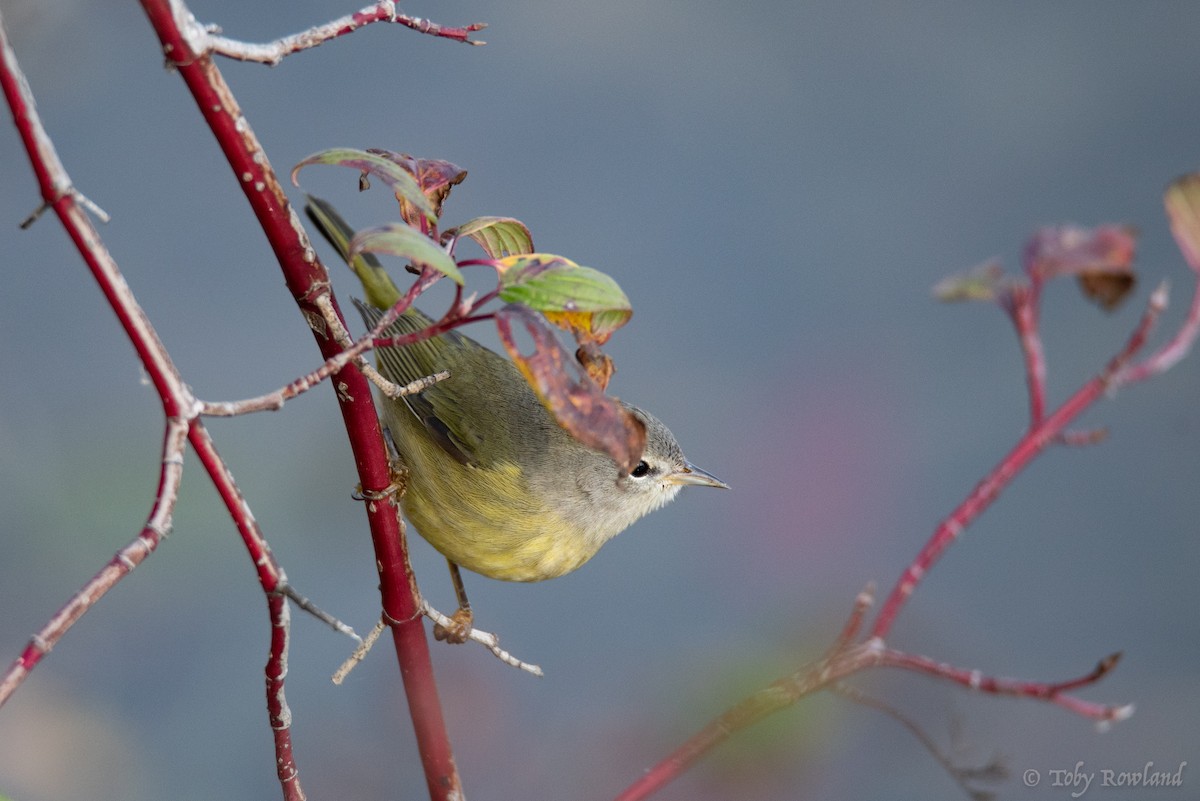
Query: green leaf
point(579, 299)
point(394, 175)
point(381, 291)
point(576, 401)
point(498, 236)
point(397, 239)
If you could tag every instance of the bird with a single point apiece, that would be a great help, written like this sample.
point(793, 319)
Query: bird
point(493, 482)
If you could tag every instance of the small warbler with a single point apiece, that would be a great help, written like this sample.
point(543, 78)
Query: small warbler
point(494, 482)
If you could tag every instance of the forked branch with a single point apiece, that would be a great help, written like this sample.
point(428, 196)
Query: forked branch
point(1100, 255)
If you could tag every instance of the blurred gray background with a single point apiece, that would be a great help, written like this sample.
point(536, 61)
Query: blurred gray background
point(776, 185)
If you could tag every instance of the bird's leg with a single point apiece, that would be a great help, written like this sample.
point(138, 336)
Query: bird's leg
point(461, 630)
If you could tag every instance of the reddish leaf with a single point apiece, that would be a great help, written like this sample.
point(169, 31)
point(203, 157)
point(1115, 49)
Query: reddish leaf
point(596, 363)
point(1071, 250)
point(399, 179)
point(1100, 258)
point(434, 177)
point(575, 400)
point(1107, 289)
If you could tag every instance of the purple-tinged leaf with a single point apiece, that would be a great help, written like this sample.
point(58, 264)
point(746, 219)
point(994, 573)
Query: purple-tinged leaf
point(434, 177)
point(575, 400)
point(398, 179)
point(1071, 250)
point(1100, 258)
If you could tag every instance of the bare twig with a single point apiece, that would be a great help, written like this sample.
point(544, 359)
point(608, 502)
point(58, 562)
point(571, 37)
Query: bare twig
point(342, 336)
point(486, 639)
point(1022, 304)
point(273, 401)
point(290, 592)
point(271, 53)
point(59, 194)
point(360, 653)
point(180, 36)
point(862, 603)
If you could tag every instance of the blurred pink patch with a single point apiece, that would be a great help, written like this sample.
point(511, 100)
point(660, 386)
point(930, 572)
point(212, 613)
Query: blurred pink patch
point(828, 458)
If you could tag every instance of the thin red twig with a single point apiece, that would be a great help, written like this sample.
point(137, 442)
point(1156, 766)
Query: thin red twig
point(849, 633)
point(1022, 304)
point(1054, 692)
point(59, 194)
point(270, 573)
point(1169, 354)
point(279, 713)
point(1029, 446)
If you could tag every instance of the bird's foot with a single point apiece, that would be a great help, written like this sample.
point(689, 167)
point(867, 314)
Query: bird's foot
point(459, 630)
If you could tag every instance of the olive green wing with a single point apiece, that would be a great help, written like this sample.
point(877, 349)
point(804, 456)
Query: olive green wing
point(406, 364)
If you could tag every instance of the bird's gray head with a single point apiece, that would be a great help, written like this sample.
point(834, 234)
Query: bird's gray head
point(661, 473)
point(599, 502)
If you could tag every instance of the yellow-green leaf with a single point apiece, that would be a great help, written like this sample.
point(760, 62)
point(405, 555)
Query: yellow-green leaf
point(398, 239)
point(381, 291)
point(498, 236)
point(579, 299)
point(984, 282)
point(1183, 209)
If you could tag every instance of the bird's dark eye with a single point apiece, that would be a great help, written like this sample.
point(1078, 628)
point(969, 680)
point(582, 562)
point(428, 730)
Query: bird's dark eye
point(641, 470)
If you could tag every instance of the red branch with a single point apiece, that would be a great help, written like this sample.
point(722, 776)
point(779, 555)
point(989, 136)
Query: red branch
point(184, 42)
point(1033, 443)
point(278, 712)
point(847, 657)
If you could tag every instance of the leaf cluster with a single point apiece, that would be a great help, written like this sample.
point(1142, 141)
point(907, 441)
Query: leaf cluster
point(540, 291)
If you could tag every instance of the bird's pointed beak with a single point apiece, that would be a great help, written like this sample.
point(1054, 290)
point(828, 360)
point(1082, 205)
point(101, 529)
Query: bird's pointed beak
point(689, 474)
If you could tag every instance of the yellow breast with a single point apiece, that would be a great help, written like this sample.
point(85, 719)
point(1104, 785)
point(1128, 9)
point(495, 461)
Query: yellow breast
point(487, 520)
